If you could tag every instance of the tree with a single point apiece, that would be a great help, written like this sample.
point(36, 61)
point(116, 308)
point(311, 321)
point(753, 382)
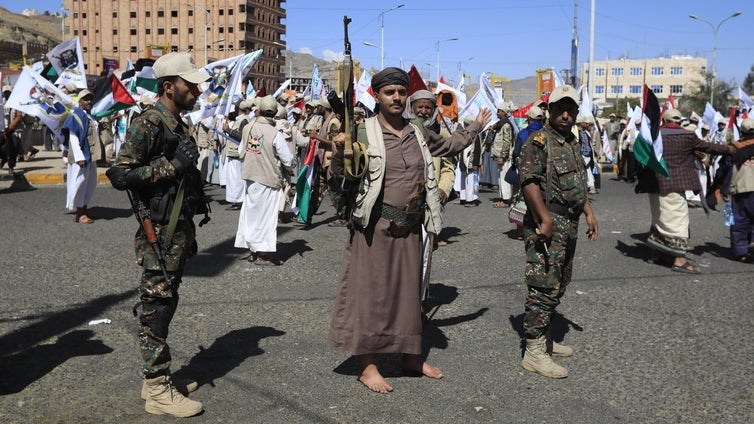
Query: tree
point(695, 98)
point(748, 84)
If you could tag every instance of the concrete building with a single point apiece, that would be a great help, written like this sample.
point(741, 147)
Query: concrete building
point(112, 31)
point(623, 78)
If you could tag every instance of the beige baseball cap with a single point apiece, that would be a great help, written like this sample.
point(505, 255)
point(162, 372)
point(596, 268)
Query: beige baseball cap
point(268, 104)
point(178, 64)
point(535, 112)
point(563, 92)
point(7, 87)
point(672, 115)
point(83, 93)
point(747, 126)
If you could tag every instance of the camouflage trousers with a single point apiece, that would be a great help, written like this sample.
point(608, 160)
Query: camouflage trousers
point(158, 298)
point(547, 272)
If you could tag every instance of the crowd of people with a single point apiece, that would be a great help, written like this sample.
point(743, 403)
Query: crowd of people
point(278, 161)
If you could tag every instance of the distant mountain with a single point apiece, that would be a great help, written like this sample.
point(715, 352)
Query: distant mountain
point(43, 29)
point(300, 65)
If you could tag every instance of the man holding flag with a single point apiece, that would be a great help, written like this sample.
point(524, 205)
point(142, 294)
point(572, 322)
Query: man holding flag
point(669, 231)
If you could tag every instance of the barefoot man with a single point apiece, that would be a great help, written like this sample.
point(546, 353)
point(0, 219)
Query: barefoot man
point(378, 304)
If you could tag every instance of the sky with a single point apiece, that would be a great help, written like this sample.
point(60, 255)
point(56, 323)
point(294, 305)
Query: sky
point(512, 38)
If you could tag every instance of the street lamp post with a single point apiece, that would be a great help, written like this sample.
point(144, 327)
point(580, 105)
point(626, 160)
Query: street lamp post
point(714, 49)
point(206, 30)
point(437, 49)
point(381, 19)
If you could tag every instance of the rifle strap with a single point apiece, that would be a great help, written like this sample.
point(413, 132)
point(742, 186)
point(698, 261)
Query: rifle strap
point(174, 214)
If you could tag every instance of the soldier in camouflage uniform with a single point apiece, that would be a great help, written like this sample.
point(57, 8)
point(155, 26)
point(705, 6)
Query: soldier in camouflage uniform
point(553, 177)
point(155, 160)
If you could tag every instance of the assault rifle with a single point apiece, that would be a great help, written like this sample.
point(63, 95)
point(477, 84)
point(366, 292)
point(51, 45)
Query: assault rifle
point(354, 154)
point(142, 214)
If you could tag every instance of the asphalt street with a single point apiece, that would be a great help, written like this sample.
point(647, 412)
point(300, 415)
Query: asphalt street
point(651, 345)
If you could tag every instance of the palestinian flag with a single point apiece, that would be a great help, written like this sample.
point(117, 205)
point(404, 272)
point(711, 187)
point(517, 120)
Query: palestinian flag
point(648, 144)
point(110, 96)
point(306, 197)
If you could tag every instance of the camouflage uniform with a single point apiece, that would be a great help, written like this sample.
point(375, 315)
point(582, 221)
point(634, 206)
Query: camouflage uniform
point(548, 273)
point(145, 153)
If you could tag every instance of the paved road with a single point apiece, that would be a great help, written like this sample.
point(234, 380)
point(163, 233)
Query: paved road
point(651, 345)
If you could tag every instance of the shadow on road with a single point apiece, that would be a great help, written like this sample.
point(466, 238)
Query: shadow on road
point(23, 361)
point(21, 369)
point(19, 184)
point(105, 213)
point(225, 354)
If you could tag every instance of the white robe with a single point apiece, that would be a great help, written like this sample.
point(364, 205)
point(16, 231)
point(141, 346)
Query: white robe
point(234, 184)
point(257, 222)
point(80, 182)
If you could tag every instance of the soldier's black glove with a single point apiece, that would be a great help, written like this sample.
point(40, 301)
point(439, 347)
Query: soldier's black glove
point(186, 154)
point(122, 179)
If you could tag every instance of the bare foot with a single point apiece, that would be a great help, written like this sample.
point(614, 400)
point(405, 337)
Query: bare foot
point(413, 363)
point(372, 378)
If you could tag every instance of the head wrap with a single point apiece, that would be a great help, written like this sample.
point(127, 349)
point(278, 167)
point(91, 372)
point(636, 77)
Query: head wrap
point(389, 76)
point(423, 95)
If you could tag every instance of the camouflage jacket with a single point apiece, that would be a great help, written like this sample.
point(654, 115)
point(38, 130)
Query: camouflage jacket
point(567, 179)
point(148, 150)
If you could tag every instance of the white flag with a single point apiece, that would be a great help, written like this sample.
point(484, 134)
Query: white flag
point(282, 88)
point(225, 87)
point(486, 86)
point(318, 87)
point(361, 91)
point(478, 101)
point(745, 98)
point(34, 95)
point(68, 62)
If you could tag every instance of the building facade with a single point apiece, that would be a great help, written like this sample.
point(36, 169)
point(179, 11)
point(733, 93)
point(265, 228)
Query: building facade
point(617, 79)
point(113, 31)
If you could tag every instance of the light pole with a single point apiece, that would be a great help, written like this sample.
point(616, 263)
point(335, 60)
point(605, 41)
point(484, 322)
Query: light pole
point(714, 49)
point(381, 19)
point(437, 49)
point(206, 30)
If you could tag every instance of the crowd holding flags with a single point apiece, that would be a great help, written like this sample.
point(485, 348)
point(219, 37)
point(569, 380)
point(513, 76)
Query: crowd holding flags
point(36, 96)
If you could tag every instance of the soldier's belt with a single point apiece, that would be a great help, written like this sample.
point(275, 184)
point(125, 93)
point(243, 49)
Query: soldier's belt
point(564, 211)
point(401, 222)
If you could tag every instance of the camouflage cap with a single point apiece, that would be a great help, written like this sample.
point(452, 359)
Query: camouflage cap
point(178, 64)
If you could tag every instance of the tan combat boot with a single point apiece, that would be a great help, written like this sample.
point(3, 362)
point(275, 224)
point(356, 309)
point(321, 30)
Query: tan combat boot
point(560, 350)
point(164, 399)
point(183, 386)
point(537, 360)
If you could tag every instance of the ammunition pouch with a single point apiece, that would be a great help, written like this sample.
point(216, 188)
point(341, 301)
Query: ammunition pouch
point(401, 222)
point(161, 204)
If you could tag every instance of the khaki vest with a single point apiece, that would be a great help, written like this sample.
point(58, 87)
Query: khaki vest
point(260, 162)
point(371, 184)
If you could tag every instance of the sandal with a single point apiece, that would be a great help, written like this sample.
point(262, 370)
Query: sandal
point(500, 205)
point(686, 268)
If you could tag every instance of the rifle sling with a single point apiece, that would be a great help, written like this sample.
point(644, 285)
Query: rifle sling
point(174, 214)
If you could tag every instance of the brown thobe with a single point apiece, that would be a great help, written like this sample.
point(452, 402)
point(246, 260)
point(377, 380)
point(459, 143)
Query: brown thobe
point(378, 304)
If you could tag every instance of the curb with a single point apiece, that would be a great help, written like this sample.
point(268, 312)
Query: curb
point(56, 178)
